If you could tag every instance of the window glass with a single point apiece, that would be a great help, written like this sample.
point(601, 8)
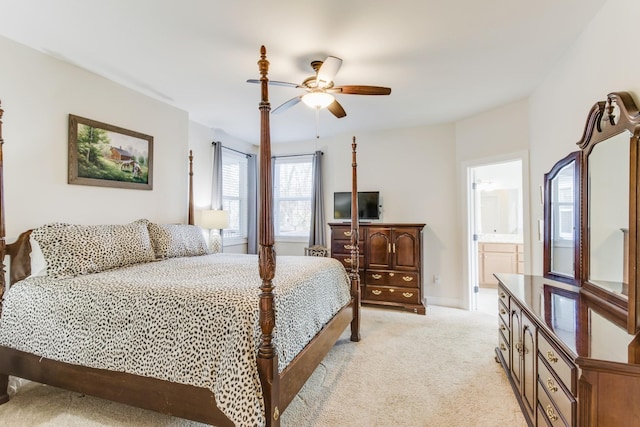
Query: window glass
point(234, 192)
point(292, 190)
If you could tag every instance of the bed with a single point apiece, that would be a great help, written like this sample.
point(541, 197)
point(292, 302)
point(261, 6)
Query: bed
point(237, 362)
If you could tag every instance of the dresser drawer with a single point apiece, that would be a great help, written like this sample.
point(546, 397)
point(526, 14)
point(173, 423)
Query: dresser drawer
point(503, 312)
point(500, 247)
point(503, 346)
point(564, 370)
point(556, 391)
point(343, 247)
point(503, 297)
point(392, 278)
point(504, 329)
point(347, 261)
point(550, 412)
point(343, 232)
point(392, 294)
point(542, 419)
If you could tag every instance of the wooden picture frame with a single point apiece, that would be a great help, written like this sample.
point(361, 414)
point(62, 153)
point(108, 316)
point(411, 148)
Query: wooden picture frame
point(104, 155)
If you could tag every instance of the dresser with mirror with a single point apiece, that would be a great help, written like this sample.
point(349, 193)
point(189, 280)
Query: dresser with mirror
point(569, 340)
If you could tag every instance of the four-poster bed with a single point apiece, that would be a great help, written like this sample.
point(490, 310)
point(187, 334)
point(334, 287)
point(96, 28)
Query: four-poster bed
point(278, 384)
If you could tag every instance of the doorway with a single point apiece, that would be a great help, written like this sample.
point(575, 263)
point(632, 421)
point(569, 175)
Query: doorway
point(496, 227)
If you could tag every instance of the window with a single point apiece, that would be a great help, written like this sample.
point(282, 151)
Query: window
point(234, 193)
point(562, 194)
point(292, 190)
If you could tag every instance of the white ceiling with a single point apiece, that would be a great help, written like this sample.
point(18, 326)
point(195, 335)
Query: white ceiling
point(444, 59)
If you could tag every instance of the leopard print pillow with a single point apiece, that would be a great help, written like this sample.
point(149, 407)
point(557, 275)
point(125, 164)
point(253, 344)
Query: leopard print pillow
point(177, 240)
point(71, 250)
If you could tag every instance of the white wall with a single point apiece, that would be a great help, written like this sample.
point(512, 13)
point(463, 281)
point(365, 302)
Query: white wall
point(200, 139)
point(493, 136)
point(38, 93)
point(413, 169)
point(601, 61)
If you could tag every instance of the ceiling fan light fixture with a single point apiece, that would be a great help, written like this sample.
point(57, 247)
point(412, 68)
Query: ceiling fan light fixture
point(318, 100)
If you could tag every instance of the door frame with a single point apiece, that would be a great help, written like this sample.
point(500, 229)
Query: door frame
point(470, 267)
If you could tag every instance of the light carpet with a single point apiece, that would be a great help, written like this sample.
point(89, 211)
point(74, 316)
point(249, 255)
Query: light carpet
point(408, 370)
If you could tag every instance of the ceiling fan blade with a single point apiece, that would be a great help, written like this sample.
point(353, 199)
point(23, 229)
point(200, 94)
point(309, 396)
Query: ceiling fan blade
point(275, 83)
point(336, 109)
point(361, 90)
point(328, 71)
point(283, 107)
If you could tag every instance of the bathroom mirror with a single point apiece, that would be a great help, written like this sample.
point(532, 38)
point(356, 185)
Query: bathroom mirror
point(562, 220)
point(610, 166)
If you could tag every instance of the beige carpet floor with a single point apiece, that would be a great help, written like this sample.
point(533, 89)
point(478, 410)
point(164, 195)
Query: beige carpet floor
point(408, 370)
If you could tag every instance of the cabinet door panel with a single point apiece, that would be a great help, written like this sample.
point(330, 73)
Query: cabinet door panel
point(379, 243)
point(405, 249)
point(529, 356)
point(516, 347)
point(497, 262)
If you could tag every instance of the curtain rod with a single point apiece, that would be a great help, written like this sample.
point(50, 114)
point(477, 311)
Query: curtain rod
point(295, 155)
point(230, 149)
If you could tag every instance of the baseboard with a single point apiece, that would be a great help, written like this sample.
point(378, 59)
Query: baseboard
point(445, 302)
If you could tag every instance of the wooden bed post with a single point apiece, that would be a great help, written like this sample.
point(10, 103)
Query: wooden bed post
point(3, 246)
point(4, 379)
point(355, 251)
point(267, 357)
point(191, 219)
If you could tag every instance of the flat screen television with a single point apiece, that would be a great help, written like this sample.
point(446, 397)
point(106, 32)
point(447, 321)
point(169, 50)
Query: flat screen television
point(368, 205)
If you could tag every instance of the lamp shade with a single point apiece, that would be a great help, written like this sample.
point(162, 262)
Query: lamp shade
point(214, 219)
point(318, 99)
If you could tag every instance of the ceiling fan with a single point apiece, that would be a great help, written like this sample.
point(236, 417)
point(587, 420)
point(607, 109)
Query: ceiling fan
point(319, 89)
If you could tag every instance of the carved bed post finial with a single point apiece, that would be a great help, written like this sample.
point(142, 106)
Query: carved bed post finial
point(267, 357)
point(355, 251)
point(191, 218)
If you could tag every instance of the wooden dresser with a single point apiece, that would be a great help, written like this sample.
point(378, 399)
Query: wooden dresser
point(567, 362)
point(390, 262)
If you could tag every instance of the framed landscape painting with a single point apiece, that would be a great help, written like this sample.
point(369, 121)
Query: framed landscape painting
point(109, 156)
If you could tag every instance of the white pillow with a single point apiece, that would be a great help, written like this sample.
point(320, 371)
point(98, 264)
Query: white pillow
point(38, 262)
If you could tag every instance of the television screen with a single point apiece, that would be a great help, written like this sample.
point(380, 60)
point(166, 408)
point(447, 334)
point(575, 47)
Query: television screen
point(368, 205)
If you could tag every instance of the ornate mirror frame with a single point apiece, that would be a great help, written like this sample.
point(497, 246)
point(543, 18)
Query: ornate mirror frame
point(551, 219)
point(617, 115)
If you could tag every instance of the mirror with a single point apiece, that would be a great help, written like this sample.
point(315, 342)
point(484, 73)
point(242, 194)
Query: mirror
point(608, 186)
point(610, 165)
point(561, 220)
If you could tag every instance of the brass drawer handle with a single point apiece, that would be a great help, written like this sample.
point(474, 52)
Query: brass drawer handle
point(407, 278)
point(502, 347)
point(347, 233)
point(347, 260)
point(349, 247)
point(392, 274)
point(376, 276)
point(407, 294)
point(502, 311)
point(552, 357)
point(376, 292)
point(551, 413)
point(392, 290)
point(551, 386)
point(502, 328)
point(519, 347)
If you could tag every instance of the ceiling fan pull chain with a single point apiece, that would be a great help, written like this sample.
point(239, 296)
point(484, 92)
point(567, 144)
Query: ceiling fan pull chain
point(317, 126)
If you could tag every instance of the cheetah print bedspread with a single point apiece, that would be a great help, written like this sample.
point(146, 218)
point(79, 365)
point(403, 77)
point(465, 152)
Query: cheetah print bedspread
point(191, 320)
